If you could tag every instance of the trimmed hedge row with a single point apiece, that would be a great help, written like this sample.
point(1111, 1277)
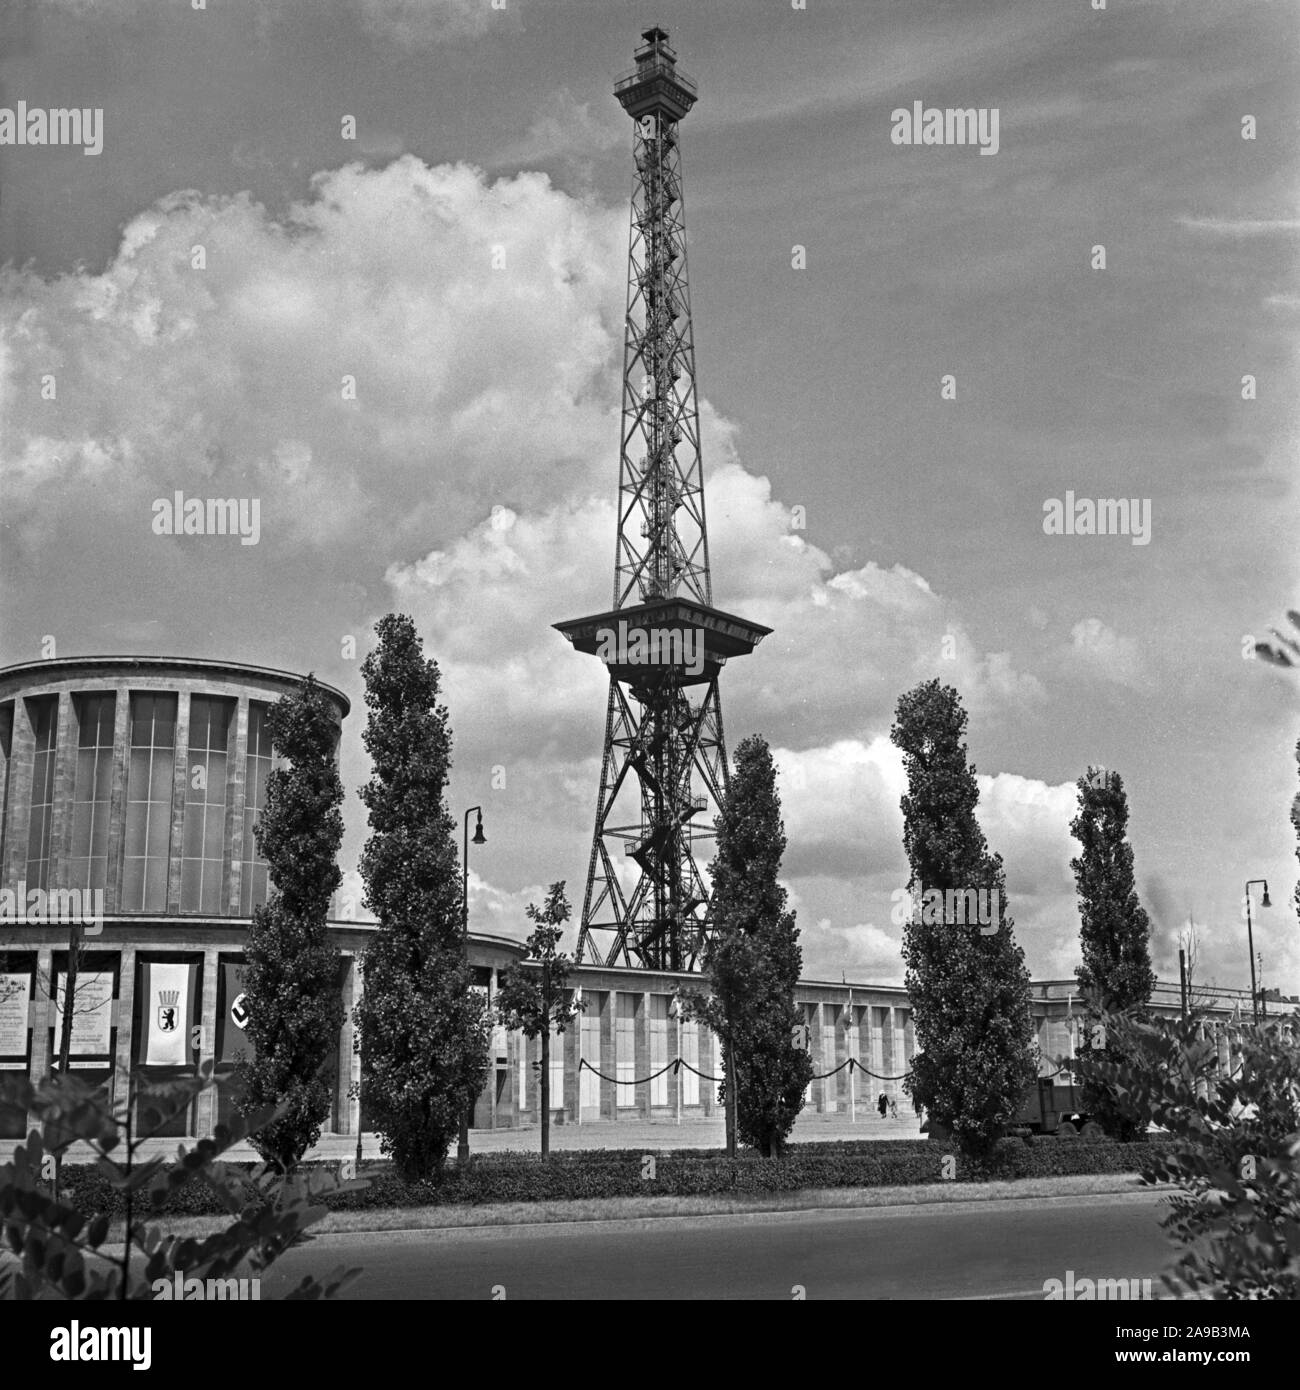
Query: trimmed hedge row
point(516, 1177)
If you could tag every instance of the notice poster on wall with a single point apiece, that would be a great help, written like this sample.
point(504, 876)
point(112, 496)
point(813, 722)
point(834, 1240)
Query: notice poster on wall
point(92, 1012)
point(15, 997)
point(167, 1008)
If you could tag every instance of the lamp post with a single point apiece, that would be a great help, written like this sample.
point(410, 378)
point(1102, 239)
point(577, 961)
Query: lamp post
point(1250, 944)
point(462, 1146)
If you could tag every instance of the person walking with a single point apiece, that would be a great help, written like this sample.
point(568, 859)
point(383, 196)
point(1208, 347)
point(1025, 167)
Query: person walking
point(882, 1104)
point(893, 1108)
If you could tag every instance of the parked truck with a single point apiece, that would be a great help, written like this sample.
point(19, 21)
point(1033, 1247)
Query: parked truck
point(1049, 1107)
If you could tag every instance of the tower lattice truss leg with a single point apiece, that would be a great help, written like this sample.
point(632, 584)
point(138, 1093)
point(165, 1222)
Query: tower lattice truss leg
point(664, 769)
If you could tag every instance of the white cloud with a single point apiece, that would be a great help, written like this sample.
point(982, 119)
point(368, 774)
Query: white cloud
point(864, 953)
point(478, 321)
point(567, 129)
point(1100, 650)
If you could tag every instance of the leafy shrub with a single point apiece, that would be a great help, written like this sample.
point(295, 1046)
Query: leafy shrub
point(59, 1241)
point(574, 1175)
point(1234, 1148)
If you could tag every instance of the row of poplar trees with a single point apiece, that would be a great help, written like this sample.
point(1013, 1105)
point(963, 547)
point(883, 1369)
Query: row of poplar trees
point(969, 990)
point(423, 1031)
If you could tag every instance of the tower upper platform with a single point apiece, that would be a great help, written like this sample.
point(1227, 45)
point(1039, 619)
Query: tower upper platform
point(655, 86)
point(722, 635)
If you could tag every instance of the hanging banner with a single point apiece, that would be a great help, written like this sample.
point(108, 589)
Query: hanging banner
point(233, 1041)
point(92, 1013)
point(15, 996)
point(167, 1010)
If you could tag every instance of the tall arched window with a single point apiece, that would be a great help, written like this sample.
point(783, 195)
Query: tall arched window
point(149, 803)
point(92, 791)
point(44, 717)
point(253, 881)
point(205, 804)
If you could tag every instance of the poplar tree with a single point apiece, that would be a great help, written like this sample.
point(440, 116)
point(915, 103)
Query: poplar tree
point(421, 1027)
point(753, 959)
point(293, 982)
point(969, 989)
point(1114, 933)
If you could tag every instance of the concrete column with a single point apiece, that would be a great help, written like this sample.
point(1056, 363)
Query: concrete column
point(512, 1080)
point(608, 1056)
point(206, 1109)
point(819, 1086)
point(40, 1018)
point(710, 1064)
point(641, 1052)
point(579, 1053)
point(22, 768)
point(348, 1107)
point(840, 1055)
point(879, 1052)
point(887, 1067)
point(900, 1064)
point(572, 1089)
point(532, 1078)
point(496, 1039)
point(674, 1050)
point(65, 767)
point(125, 1014)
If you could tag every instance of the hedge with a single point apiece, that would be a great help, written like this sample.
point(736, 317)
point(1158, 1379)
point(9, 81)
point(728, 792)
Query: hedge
point(517, 1177)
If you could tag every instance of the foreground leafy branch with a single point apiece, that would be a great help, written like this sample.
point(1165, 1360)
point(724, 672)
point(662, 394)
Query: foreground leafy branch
point(1235, 1154)
point(51, 1250)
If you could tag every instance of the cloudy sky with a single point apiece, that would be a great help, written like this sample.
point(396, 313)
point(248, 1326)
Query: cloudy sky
point(463, 259)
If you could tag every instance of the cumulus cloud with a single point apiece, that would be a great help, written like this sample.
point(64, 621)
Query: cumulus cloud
point(567, 129)
point(520, 571)
point(405, 347)
point(840, 803)
point(863, 952)
point(1102, 652)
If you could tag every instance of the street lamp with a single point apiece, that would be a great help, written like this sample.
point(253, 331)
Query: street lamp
point(462, 1144)
point(1250, 943)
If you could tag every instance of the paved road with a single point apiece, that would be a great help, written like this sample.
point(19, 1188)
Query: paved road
point(997, 1249)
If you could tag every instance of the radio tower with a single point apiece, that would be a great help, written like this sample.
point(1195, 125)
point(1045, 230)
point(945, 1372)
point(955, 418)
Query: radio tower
point(664, 770)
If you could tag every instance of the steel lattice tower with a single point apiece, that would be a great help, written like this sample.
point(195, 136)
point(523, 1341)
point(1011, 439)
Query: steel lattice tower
point(664, 770)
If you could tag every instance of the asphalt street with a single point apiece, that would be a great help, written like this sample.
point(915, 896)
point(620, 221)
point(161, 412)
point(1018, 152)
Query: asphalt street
point(983, 1249)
